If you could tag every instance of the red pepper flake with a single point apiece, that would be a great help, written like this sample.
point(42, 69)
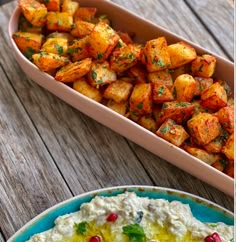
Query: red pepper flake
point(213, 238)
point(112, 217)
point(95, 239)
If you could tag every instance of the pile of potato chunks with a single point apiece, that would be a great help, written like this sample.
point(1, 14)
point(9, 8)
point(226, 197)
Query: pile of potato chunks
point(167, 89)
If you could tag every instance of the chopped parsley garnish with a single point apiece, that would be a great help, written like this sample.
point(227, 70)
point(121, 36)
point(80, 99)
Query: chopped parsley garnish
point(59, 22)
point(81, 228)
point(72, 26)
point(43, 53)
point(73, 50)
point(140, 105)
point(99, 82)
point(164, 130)
point(100, 55)
point(94, 75)
point(158, 62)
point(134, 232)
point(200, 68)
point(59, 49)
point(46, 1)
point(130, 56)
point(181, 104)
point(29, 52)
point(160, 91)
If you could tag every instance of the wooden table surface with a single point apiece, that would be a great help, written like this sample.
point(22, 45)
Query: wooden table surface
point(50, 152)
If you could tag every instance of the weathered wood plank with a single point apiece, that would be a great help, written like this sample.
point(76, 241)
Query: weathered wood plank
point(2, 238)
point(218, 18)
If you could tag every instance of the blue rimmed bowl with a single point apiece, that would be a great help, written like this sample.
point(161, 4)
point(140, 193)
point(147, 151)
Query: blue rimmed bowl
point(202, 209)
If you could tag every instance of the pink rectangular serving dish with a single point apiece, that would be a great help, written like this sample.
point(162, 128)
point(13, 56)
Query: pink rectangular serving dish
point(144, 31)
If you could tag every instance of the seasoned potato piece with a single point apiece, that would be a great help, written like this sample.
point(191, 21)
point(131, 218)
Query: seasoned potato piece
point(226, 118)
point(204, 127)
point(87, 90)
point(180, 112)
point(141, 99)
point(226, 87)
point(59, 21)
point(86, 14)
point(184, 88)
point(202, 155)
point(148, 122)
point(161, 93)
point(172, 132)
point(34, 12)
point(162, 77)
point(180, 54)
point(201, 84)
point(156, 112)
point(126, 37)
point(49, 61)
point(215, 145)
point(214, 97)
point(199, 108)
point(69, 6)
point(26, 26)
point(63, 35)
point(138, 73)
point(79, 50)
point(120, 108)
point(82, 28)
point(220, 164)
point(74, 71)
point(118, 91)
point(102, 40)
point(55, 45)
point(229, 169)
point(52, 5)
point(125, 57)
point(204, 66)
point(228, 148)
point(185, 69)
point(101, 74)
point(28, 43)
point(155, 55)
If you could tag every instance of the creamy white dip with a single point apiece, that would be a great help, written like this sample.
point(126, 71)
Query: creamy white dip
point(159, 219)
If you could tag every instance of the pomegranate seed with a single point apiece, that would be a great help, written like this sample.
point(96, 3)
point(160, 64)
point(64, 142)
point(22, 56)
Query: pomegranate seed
point(95, 239)
point(213, 238)
point(112, 217)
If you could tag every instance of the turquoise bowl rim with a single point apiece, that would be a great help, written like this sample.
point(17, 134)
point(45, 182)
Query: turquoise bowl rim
point(202, 209)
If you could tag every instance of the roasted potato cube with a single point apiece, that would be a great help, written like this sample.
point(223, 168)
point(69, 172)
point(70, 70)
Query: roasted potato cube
point(52, 5)
point(140, 100)
point(215, 145)
point(69, 6)
point(155, 55)
point(184, 88)
point(26, 26)
point(63, 35)
point(161, 93)
point(199, 108)
point(204, 128)
point(82, 29)
point(162, 77)
point(74, 71)
point(49, 61)
point(202, 155)
point(101, 74)
point(172, 132)
point(181, 53)
point(125, 57)
point(226, 87)
point(102, 40)
point(204, 66)
point(220, 164)
point(201, 84)
point(156, 112)
point(85, 14)
point(229, 169)
point(87, 90)
point(148, 122)
point(120, 108)
point(126, 37)
point(55, 45)
point(118, 91)
point(34, 12)
point(185, 69)
point(138, 74)
point(28, 43)
point(226, 118)
point(79, 50)
point(180, 112)
point(228, 148)
point(59, 21)
point(214, 97)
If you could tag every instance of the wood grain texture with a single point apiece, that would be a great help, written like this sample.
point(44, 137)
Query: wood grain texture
point(2, 238)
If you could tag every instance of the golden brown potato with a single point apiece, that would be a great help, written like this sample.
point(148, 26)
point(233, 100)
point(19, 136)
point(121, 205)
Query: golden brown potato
point(101, 74)
point(228, 148)
point(26, 26)
point(85, 14)
point(172, 132)
point(162, 77)
point(215, 145)
point(49, 61)
point(87, 90)
point(126, 37)
point(69, 6)
point(52, 5)
point(74, 71)
point(184, 88)
point(204, 128)
point(118, 91)
point(199, 108)
point(155, 55)
point(220, 164)
point(214, 97)
point(28, 43)
point(226, 118)
point(140, 100)
point(161, 93)
point(148, 122)
point(204, 66)
point(229, 169)
point(125, 57)
point(138, 73)
point(185, 69)
point(56, 45)
point(59, 21)
point(34, 12)
point(120, 108)
point(180, 54)
point(226, 87)
point(102, 40)
point(201, 84)
point(82, 29)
